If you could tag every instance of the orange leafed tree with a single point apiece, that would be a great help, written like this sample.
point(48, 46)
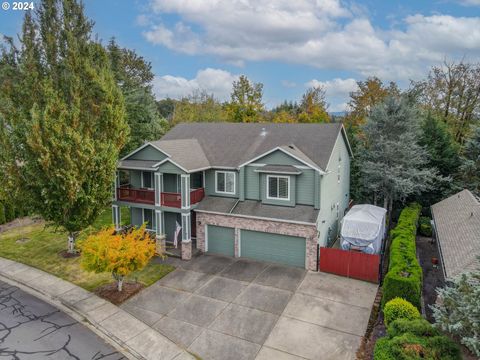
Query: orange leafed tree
point(119, 253)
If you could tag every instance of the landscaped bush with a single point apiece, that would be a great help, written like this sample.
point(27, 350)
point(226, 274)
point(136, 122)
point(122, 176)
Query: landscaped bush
point(415, 339)
point(458, 309)
point(418, 327)
point(399, 308)
point(404, 276)
point(9, 211)
point(424, 226)
point(2, 214)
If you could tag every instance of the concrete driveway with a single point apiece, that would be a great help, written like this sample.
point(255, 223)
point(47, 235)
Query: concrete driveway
point(224, 308)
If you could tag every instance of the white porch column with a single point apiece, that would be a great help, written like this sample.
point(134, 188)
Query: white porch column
point(185, 190)
point(186, 237)
point(158, 188)
point(116, 217)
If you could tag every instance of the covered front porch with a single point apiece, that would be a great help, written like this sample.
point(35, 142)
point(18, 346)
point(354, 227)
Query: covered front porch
point(167, 225)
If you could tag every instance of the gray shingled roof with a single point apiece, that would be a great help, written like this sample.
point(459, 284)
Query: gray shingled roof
point(231, 145)
point(457, 222)
point(137, 164)
point(252, 208)
point(279, 169)
point(186, 152)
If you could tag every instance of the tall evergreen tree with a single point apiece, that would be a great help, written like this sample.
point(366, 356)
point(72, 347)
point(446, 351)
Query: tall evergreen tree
point(443, 155)
point(62, 125)
point(470, 167)
point(134, 76)
point(392, 164)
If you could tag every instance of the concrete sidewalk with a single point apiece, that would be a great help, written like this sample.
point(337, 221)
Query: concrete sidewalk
point(132, 337)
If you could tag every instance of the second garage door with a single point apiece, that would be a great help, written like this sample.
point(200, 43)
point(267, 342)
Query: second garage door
point(283, 249)
point(220, 240)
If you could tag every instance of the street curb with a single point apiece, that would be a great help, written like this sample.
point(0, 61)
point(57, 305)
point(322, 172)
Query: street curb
point(83, 317)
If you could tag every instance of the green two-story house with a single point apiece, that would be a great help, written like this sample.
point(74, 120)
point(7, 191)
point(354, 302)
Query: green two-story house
point(270, 192)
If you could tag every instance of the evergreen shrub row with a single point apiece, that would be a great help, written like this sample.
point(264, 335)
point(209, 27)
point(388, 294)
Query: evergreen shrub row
point(404, 276)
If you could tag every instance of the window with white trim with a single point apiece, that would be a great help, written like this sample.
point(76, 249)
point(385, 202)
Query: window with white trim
point(225, 182)
point(278, 187)
point(148, 218)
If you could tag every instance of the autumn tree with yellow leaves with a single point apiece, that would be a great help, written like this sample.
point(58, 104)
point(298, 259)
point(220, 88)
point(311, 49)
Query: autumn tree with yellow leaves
point(119, 253)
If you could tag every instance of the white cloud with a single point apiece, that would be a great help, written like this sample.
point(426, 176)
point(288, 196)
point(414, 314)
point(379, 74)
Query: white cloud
point(288, 83)
point(470, 2)
point(321, 33)
point(215, 81)
point(336, 91)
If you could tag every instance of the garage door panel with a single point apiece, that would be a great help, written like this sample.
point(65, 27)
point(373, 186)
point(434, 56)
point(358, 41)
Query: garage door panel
point(283, 249)
point(221, 240)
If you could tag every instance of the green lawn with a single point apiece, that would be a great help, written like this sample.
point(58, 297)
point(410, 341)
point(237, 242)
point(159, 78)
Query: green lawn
point(44, 243)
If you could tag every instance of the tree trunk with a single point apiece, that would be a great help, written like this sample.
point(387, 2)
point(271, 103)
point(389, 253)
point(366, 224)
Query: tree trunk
point(120, 283)
point(71, 243)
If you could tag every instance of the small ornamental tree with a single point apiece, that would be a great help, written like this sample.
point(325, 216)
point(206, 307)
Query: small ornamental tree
point(458, 309)
point(119, 253)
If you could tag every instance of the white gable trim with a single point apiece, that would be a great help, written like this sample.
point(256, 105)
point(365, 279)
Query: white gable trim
point(171, 161)
point(143, 147)
point(285, 152)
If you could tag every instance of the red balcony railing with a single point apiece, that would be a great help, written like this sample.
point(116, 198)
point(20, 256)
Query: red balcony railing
point(136, 195)
point(175, 199)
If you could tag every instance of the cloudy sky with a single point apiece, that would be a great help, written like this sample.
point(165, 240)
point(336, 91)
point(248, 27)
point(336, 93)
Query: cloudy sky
point(287, 45)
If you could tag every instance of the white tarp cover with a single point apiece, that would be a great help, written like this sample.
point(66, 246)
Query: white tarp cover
point(363, 228)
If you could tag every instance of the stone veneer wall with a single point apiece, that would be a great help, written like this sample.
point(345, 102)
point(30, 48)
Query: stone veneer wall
point(307, 231)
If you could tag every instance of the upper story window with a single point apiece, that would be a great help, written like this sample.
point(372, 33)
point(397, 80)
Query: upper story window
point(225, 182)
point(147, 179)
point(278, 187)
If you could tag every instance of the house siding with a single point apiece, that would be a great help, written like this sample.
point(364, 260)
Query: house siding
point(148, 153)
point(332, 192)
point(278, 158)
point(252, 183)
point(168, 167)
point(305, 187)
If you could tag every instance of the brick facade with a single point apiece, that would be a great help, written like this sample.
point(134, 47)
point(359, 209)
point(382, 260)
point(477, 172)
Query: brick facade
point(186, 250)
point(306, 231)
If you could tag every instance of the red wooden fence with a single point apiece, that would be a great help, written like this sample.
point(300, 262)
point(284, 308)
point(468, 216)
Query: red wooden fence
point(352, 264)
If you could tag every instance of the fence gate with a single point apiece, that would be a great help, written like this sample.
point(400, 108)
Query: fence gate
point(351, 264)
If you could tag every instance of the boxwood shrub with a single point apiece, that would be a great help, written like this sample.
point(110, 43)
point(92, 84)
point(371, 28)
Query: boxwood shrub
point(415, 339)
point(399, 308)
point(404, 276)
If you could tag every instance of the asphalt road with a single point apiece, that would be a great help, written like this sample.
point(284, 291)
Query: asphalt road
point(31, 329)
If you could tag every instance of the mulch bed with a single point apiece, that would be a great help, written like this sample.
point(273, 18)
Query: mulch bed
point(21, 222)
point(109, 292)
point(432, 277)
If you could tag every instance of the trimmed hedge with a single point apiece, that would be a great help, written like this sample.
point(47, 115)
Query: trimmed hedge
point(404, 276)
point(415, 339)
point(425, 227)
point(399, 308)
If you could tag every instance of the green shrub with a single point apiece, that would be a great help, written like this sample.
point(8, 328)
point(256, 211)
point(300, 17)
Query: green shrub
point(2, 214)
point(9, 211)
point(409, 347)
point(418, 327)
point(399, 308)
point(425, 227)
point(404, 277)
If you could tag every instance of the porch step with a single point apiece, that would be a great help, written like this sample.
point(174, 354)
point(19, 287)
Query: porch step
point(177, 253)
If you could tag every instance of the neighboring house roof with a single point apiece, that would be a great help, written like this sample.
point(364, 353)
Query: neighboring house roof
point(186, 152)
point(255, 209)
point(230, 145)
point(457, 224)
point(137, 164)
point(279, 169)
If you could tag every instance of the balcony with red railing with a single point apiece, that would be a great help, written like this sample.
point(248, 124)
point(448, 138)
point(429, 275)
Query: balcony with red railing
point(175, 199)
point(144, 196)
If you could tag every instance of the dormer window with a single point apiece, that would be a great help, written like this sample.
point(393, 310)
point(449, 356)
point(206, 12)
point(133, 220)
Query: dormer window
point(278, 187)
